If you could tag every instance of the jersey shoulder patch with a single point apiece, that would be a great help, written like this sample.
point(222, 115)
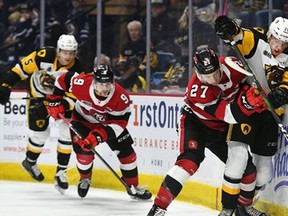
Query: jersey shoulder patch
point(46, 54)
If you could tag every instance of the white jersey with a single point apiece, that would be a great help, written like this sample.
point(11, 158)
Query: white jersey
point(255, 48)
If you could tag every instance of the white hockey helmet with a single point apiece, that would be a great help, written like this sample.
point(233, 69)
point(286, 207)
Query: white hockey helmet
point(67, 42)
point(279, 29)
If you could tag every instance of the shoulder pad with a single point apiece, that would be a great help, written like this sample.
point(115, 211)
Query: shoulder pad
point(47, 54)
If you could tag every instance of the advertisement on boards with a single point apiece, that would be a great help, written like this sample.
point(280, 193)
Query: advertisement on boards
point(279, 182)
point(153, 126)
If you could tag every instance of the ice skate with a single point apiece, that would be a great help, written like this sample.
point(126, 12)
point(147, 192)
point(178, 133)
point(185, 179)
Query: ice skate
point(33, 170)
point(248, 211)
point(61, 183)
point(139, 193)
point(83, 187)
point(156, 211)
point(226, 212)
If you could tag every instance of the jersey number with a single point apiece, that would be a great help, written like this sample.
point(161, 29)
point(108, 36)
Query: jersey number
point(28, 61)
point(124, 98)
point(78, 81)
point(195, 90)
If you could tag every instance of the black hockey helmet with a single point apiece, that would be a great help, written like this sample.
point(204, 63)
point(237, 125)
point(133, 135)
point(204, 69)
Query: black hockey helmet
point(103, 73)
point(205, 61)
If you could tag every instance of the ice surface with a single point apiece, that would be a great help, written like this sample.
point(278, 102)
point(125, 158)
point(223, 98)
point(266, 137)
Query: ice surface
point(39, 199)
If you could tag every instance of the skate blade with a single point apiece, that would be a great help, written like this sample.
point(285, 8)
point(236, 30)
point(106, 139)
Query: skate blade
point(141, 200)
point(31, 174)
point(61, 190)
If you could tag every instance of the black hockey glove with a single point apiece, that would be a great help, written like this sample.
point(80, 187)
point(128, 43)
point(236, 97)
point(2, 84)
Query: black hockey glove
point(274, 76)
point(224, 26)
point(278, 97)
point(5, 91)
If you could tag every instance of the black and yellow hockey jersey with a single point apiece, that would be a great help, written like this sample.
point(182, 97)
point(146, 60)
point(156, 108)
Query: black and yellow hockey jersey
point(254, 46)
point(41, 67)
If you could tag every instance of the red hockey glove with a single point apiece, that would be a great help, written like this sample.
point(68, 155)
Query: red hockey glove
point(93, 139)
point(84, 145)
point(274, 75)
point(55, 106)
point(250, 101)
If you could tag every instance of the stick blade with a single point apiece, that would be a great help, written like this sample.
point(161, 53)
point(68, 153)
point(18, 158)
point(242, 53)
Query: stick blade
point(235, 66)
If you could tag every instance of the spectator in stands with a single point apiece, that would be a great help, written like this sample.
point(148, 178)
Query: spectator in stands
point(54, 21)
point(203, 34)
point(7, 35)
point(205, 11)
point(25, 30)
point(104, 59)
point(78, 22)
point(175, 79)
point(281, 5)
point(163, 31)
point(59, 9)
point(231, 8)
point(4, 13)
point(3, 55)
point(255, 5)
point(163, 24)
point(136, 46)
point(129, 75)
point(285, 10)
point(9, 6)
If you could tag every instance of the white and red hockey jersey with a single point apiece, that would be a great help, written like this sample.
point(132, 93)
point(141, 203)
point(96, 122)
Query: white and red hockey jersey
point(211, 103)
point(108, 115)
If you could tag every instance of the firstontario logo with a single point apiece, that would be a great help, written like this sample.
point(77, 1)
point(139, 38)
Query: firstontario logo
point(157, 115)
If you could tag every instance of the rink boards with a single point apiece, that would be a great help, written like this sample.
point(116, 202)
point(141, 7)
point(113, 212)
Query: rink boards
point(152, 124)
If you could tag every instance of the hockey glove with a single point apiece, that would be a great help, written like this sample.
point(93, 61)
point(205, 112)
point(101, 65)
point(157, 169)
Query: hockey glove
point(5, 91)
point(47, 81)
point(83, 144)
point(250, 101)
point(278, 97)
point(225, 26)
point(91, 141)
point(274, 76)
point(55, 106)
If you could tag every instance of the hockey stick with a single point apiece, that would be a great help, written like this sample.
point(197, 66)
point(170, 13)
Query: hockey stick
point(259, 87)
point(236, 67)
point(23, 98)
point(98, 155)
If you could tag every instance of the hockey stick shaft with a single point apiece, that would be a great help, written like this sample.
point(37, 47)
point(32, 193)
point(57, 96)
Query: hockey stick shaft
point(27, 98)
point(97, 154)
point(259, 87)
point(22, 98)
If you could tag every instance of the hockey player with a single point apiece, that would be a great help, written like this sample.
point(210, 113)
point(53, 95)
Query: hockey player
point(266, 54)
point(41, 68)
point(209, 105)
point(101, 114)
